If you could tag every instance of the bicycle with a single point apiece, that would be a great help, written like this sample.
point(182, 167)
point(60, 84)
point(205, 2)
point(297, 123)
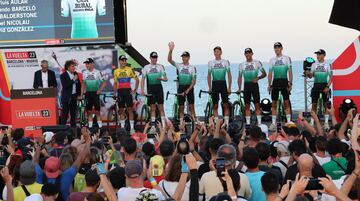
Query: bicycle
point(209, 112)
point(188, 119)
point(280, 108)
point(145, 114)
point(113, 116)
point(320, 105)
point(81, 106)
point(238, 110)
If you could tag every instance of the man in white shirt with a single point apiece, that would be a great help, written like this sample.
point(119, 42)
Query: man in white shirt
point(44, 78)
point(135, 182)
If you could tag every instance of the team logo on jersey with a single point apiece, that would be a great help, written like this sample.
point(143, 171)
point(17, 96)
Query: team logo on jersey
point(218, 65)
point(90, 77)
point(185, 71)
point(153, 70)
point(249, 67)
point(279, 62)
point(320, 68)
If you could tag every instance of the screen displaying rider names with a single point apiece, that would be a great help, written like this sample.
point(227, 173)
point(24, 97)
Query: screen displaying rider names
point(56, 22)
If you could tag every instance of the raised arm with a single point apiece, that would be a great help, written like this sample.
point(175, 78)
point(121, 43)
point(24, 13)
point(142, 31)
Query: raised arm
point(171, 49)
point(81, 157)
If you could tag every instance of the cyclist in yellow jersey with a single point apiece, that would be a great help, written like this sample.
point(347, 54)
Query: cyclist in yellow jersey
point(122, 86)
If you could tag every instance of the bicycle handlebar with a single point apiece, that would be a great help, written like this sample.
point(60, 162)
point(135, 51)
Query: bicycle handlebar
point(201, 91)
point(174, 94)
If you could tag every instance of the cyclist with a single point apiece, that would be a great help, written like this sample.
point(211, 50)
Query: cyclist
point(122, 87)
point(250, 70)
point(217, 83)
point(322, 73)
point(186, 81)
point(154, 74)
point(281, 71)
point(93, 84)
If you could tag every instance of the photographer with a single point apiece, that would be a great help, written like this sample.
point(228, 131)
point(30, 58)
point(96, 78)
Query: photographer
point(211, 184)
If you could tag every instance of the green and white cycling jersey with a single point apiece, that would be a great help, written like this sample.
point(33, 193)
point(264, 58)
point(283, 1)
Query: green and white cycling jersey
point(280, 66)
point(92, 80)
point(250, 70)
point(153, 72)
point(218, 69)
point(83, 16)
point(321, 72)
point(187, 73)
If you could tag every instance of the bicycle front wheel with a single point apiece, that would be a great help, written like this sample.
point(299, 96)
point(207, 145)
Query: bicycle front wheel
point(207, 112)
point(144, 115)
point(112, 118)
point(237, 114)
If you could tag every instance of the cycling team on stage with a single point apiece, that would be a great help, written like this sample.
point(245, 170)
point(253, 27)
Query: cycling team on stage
point(219, 78)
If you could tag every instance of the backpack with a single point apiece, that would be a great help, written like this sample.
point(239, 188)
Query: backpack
point(57, 184)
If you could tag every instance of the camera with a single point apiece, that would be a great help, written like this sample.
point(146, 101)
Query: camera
point(183, 146)
point(306, 114)
point(220, 166)
point(314, 184)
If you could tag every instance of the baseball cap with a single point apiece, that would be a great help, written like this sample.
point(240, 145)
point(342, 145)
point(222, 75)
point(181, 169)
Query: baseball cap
point(157, 164)
point(282, 146)
point(48, 136)
point(122, 57)
point(133, 169)
point(320, 51)
point(89, 61)
point(248, 50)
point(27, 172)
point(277, 44)
point(185, 54)
point(153, 54)
point(52, 167)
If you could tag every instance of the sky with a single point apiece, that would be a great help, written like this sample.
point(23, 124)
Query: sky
point(199, 25)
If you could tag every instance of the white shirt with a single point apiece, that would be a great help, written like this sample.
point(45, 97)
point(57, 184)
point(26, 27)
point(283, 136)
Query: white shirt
point(170, 187)
point(71, 75)
point(283, 169)
point(322, 160)
point(34, 197)
point(44, 78)
point(127, 193)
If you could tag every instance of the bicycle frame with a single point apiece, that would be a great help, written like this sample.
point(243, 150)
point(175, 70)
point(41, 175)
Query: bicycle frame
point(81, 105)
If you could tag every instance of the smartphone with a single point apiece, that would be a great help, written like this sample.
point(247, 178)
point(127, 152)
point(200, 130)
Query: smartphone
point(220, 166)
point(183, 137)
point(247, 129)
point(328, 105)
point(306, 114)
point(314, 184)
point(278, 127)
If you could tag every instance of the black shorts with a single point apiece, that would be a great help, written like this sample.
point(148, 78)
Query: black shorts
point(316, 90)
point(251, 89)
point(157, 93)
point(280, 85)
point(92, 100)
point(125, 98)
point(219, 87)
point(190, 96)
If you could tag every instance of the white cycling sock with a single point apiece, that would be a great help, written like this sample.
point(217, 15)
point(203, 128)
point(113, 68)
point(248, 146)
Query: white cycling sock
point(122, 123)
point(131, 124)
point(226, 118)
point(326, 118)
point(288, 118)
point(247, 120)
point(153, 119)
point(99, 123)
point(258, 119)
point(163, 121)
point(90, 123)
point(273, 119)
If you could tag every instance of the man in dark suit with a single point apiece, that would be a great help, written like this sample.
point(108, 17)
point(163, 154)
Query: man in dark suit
point(44, 78)
point(71, 89)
